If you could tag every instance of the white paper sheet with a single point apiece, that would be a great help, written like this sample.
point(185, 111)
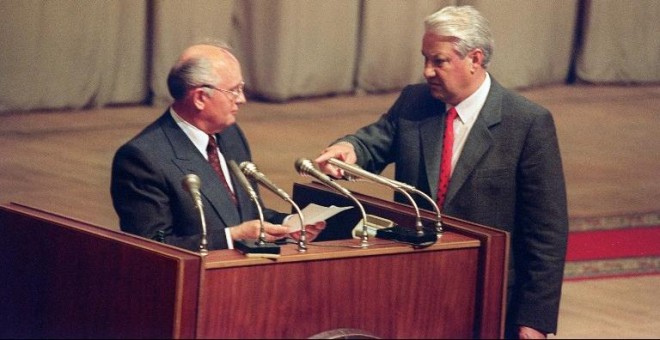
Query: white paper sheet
point(313, 213)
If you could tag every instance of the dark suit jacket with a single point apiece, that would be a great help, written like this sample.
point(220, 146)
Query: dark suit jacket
point(150, 200)
point(509, 176)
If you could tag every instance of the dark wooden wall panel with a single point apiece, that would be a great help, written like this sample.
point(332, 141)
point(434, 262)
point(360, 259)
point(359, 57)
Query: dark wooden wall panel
point(66, 279)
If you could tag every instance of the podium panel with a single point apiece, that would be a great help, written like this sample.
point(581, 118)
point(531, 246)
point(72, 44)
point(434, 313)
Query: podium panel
point(387, 290)
point(64, 278)
point(492, 264)
point(69, 279)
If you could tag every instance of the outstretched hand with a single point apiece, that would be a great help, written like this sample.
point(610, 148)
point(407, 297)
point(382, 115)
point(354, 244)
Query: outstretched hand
point(342, 151)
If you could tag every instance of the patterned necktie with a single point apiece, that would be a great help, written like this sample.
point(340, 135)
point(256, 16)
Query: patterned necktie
point(447, 149)
point(214, 160)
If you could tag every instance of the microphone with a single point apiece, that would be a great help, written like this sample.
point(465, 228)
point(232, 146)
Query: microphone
point(418, 237)
point(407, 187)
point(243, 181)
point(305, 167)
point(191, 183)
point(259, 245)
point(250, 170)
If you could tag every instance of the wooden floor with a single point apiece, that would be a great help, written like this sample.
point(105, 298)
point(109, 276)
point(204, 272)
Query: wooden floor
point(60, 161)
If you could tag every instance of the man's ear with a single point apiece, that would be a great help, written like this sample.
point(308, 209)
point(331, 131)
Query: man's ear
point(476, 58)
point(199, 97)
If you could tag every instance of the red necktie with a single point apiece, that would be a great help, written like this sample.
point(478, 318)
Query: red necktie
point(214, 160)
point(447, 146)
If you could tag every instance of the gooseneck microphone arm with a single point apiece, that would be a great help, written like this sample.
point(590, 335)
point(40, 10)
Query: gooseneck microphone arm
point(302, 242)
point(250, 170)
point(305, 167)
point(191, 183)
point(359, 172)
point(412, 189)
point(253, 196)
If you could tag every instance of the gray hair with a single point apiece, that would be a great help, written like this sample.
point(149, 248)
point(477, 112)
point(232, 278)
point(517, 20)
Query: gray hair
point(465, 24)
point(194, 72)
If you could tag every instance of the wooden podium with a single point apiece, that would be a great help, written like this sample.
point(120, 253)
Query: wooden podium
point(65, 278)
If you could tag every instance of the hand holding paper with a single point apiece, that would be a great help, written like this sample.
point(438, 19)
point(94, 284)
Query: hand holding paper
point(313, 213)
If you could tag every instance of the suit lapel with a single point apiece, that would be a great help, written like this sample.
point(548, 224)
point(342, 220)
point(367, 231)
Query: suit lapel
point(228, 147)
point(189, 160)
point(479, 140)
point(431, 142)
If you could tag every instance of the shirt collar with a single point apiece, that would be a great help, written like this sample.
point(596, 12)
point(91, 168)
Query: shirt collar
point(198, 137)
point(468, 109)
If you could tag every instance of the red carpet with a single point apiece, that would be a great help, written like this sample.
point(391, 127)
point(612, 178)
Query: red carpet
point(610, 244)
point(613, 246)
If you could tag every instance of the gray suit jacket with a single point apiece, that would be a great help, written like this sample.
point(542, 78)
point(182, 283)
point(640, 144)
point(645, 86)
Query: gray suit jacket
point(150, 200)
point(509, 176)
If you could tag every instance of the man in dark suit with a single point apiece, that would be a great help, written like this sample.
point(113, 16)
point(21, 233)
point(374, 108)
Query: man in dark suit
point(147, 172)
point(503, 164)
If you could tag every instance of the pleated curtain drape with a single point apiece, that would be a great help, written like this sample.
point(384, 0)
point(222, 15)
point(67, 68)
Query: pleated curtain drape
point(78, 54)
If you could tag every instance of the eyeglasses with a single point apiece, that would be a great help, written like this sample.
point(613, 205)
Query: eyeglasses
point(236, 92)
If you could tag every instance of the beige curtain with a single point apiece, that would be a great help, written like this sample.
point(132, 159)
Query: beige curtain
point(298, 48)
point(58, 54)
point(177, 24)
point(390, 43)
point(71, 54)
point(621, 42)
point(533, 40)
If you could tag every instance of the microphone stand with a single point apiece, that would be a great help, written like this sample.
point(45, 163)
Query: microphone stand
point(192, 183)
point(259, 246)
point(305, 167)
point(203, 245)
point(416, 237)
point(410, 188)
point(262, 234)
point(364, 240)
point(250, 169)
point(302, 241)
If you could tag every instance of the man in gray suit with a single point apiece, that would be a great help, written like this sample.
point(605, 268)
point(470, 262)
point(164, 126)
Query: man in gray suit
point(503, 166)
point(147, 172)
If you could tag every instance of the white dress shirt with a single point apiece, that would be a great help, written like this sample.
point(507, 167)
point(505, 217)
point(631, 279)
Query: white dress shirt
point(468, 111)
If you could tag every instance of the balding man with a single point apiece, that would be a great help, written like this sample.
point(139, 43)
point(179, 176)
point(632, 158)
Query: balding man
point(198, 135)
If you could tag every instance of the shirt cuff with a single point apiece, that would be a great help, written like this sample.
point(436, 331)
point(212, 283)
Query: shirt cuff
point(230, 242)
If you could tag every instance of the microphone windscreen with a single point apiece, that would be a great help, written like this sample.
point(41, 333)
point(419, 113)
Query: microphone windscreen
point(191, 182)
point(248, 168)
point(304, 166)
point(242, 179)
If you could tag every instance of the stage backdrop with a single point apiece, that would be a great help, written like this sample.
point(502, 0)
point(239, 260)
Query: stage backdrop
point(76, 54)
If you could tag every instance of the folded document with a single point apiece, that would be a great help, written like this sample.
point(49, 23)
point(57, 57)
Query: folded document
point(313, 213)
